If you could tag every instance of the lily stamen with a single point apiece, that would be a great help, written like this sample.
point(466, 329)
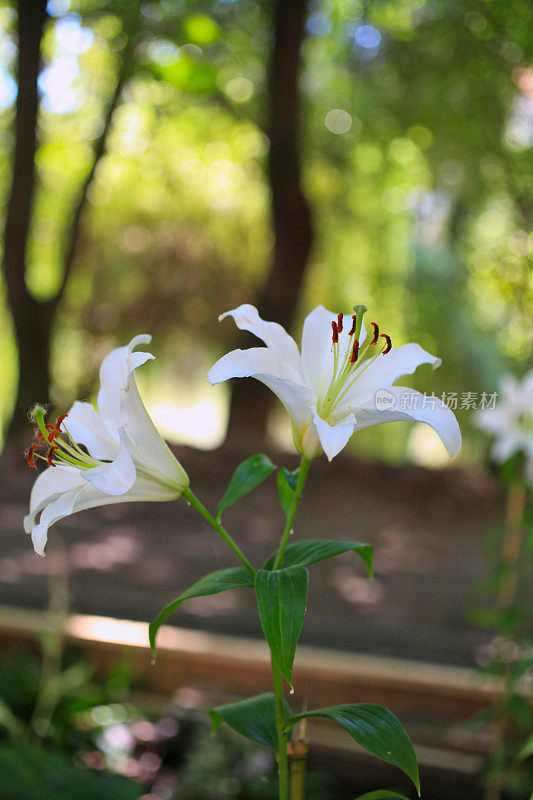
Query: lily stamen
point(388, 346)
point(50, 456)
point(344, 378)
point(339, 322)
point(29, 455)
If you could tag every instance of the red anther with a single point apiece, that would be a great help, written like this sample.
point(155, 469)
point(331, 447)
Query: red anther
point(339, 323)
point(29, 455)
point(355, 352)
point(388, 345)
point(59, 422)
point(335, 332)
point(51, 455)
point(354, 325)
point(376, 333)
point(39, 435)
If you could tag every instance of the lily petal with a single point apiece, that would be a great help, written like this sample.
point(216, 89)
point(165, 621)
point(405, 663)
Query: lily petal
point(440, 418)
point(145, 442)
point(266, 366)
point(385, 370)
point(115, 477)
point(85, 425)
point(274, 335)
point(49, 485)
point(504, 447)
point(120, 404)
point(54, 511)
point(334, 438)
point(115, 373)
point(248, 363)
point(87, 496)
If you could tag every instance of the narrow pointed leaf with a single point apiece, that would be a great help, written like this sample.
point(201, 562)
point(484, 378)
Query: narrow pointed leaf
point(214, 583)
point(254, 718)
point(309, 551)
point(287, 482)
point(376, 729)
point(382, 794)
point(281, 600)
point(246, 477)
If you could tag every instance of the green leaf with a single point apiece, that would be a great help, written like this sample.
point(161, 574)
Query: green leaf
point(309, 551)
point(246, 477)
point(254, 718)
point(281, 599)
point(382, 794)
point(287, 482)
point(219, 581)
point(374, 728)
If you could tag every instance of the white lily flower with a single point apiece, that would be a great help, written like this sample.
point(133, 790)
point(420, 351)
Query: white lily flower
point(511, 421)
point(329, 390)
point(125, 458)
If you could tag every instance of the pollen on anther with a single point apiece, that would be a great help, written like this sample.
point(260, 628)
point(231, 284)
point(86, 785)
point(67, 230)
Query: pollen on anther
point(355, 352)
point(354, 325)
point(335, 332)
point(339, 322)
point(29, 455)
point(50, 456)
point(59, 422)
point(388, 345)
point(376, 333)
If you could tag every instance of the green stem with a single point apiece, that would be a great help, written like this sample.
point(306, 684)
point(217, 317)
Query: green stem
point(304, 469)
point(282, 757)
point(202, 510)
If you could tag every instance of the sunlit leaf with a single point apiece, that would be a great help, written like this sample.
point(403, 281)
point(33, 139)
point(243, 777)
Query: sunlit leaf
point(246, 477)
point(219, 581)
point(281, 600)
point(309, 551)
point(374, 728)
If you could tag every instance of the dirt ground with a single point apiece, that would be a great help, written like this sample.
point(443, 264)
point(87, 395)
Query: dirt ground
point(128, 561)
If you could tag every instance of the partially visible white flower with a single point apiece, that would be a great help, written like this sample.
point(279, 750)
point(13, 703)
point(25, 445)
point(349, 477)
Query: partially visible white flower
point(511, 421)
point(125, 460)
point(330, 389)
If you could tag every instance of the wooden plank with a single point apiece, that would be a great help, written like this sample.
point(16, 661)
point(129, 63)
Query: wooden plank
point(435, 702)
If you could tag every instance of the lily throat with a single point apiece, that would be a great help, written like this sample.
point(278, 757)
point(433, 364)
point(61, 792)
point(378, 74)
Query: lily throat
point(357, 357)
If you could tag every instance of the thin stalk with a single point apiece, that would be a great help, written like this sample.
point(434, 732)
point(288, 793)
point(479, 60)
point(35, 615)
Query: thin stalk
point(304, 469)
point(281, 752)
point(510, 558)
point(297, 761)
point(202, 510)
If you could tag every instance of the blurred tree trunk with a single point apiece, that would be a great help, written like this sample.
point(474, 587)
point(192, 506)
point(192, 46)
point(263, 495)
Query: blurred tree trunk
point(30, 320)
point(33, 320)
point(291, 218)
